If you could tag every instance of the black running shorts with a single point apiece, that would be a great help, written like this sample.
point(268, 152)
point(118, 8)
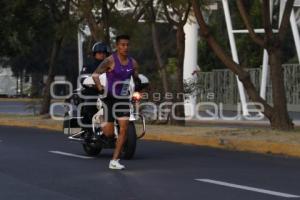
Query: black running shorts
point(115, 108)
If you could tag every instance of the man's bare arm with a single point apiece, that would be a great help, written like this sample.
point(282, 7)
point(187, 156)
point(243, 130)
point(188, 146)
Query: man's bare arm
point(102, 68)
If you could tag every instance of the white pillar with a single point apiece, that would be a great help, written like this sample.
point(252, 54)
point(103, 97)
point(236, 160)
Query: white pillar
point(265, 65)
point(80, 53)
point(281, 9)
point(234, 55)
point(190, 58)
point(295, 33)
point(293, 24)
point(264, 75)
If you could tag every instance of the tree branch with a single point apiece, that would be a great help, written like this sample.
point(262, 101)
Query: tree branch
point(91, 21)
point(54, 11)
point(66, 12)
point(112, 5)
point(75, 3)
point(267, 20)
point(171, 21)
point(176, 11)
point(243, 75)
point(285, 19)
point(258, 40)
point(136, 6)
point(149, 9)
point(185, 18)
point(139, 15)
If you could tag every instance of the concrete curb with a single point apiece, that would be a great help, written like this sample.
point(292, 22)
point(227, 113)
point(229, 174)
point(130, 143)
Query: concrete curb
point(263, 147)
point(26, 124)
point(231, 123)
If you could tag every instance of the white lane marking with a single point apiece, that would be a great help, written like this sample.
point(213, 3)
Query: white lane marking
point(70, 154)
point(253, 189)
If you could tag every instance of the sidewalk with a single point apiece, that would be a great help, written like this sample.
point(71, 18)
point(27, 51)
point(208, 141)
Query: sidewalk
point(236, 123)
point(216, 134)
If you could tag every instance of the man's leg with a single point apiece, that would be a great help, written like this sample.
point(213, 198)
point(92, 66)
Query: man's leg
point(108, 129)
point(107, 126)
point(123, 123)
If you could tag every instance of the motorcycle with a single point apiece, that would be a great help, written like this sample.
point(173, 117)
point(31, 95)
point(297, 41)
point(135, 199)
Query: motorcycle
point(90, 136)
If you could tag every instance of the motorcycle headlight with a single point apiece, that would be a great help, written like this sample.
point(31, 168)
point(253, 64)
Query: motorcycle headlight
point(136, 96)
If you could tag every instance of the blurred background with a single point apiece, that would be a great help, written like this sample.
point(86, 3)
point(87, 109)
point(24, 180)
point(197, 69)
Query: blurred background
point(47, 40)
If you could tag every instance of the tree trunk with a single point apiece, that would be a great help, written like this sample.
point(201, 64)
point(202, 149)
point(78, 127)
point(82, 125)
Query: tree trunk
point(277, 115)
point(280, 118)
point(179, 110)
point(51, 73)
point(161, 67)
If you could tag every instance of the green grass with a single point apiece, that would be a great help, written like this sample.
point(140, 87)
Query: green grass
point(19, 99)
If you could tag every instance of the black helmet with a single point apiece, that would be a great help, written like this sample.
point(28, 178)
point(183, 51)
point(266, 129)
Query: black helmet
point(100, 47)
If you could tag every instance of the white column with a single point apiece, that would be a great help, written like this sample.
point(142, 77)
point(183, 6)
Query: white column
point(190, 58)
point(80, 53)
point(295, 33)
point(293, 25)
point(265, 65)
point(264, 75)
point(281, 10)
point(234, 55)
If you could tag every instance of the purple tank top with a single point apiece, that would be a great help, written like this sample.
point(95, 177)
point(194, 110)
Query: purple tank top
point(119, 73)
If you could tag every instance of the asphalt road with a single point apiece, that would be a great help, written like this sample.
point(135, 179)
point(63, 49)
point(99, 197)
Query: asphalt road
point(39, 164)
point(22, 108)
point(25, 108)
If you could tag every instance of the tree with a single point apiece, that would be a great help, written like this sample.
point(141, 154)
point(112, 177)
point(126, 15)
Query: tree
point(151, 13)
point(248, 52)
point(24, 36)
point(60, 12)
point(272, 42)
point(181, 10)
point(97, 15)
point(102, 16)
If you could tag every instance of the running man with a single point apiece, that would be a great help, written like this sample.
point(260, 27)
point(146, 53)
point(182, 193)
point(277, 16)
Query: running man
point(119, 67)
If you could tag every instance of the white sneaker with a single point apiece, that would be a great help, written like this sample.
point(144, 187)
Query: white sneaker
point(114, 164)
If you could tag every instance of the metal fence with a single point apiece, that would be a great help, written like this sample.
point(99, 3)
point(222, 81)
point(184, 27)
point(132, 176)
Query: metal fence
point(223, 85)
point(8, 85)
point(12, 86)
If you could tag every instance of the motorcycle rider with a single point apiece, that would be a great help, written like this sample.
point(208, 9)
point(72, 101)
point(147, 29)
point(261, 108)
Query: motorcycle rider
point(100, 51)
point(118, 67)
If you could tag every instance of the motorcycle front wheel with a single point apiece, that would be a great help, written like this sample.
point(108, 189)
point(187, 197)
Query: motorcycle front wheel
point(130, 145)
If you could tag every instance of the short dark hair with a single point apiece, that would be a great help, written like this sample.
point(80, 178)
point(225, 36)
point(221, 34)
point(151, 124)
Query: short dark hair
point(122, 37)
